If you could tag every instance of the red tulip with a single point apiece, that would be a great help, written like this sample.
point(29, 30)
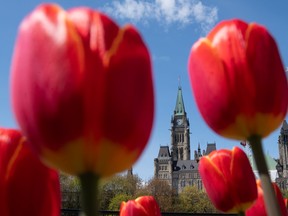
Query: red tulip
point(258, 208)
point(286, 202)
point(228, 179)
point(82, 90)
point(27, 187)
point(238, 80)
point(142, 206)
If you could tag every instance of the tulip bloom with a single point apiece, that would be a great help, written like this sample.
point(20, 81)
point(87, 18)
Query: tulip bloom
point(27, 187)
point(258, 208)
point(142, 206)
point(238, 80)
point(82, 90)
point(228, 179)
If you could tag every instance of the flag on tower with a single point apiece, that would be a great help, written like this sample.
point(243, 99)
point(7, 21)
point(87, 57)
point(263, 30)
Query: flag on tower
point(243, 143)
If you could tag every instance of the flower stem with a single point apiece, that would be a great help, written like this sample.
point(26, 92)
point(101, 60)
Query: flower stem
point(271, 203)
point(241, 213)
point(89, 192)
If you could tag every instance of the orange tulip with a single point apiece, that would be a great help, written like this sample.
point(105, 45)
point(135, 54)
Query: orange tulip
point(258, 208)
point(82, 90)
point(228, 179)
point(27, 187)
point(142, 206)
point(238, 80)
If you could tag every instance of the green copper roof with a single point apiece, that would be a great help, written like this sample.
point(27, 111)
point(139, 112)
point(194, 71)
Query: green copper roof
point(179, 108)
point(271, 163)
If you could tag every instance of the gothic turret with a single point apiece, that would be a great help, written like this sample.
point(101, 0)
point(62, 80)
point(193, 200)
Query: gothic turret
point(283, 149)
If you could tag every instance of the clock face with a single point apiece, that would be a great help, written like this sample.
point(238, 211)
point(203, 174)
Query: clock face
point(179, 121)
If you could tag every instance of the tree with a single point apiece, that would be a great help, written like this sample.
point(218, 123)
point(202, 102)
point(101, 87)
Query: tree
point(284, 193)
point(127, 185)
point(70, 189)
point(116, 201)
point(162, 192)
point(193, 200)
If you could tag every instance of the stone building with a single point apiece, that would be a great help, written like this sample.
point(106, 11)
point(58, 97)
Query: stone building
point(282, 166)
point(174, 165)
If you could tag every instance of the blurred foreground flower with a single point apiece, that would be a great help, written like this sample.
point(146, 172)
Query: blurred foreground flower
point(238, 80)
point(229, 180)
point(82, 90)
point(286, 203)
point(241, 88)
point(258, 208)
point(82, 93)
point(27, 187)
point(142, 206)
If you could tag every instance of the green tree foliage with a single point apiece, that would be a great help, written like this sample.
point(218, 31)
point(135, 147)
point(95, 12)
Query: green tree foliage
point(284, 193)
point(194, 201)
point(127, 185)
point(70, 190)
point(116, 201)
point(162, 192)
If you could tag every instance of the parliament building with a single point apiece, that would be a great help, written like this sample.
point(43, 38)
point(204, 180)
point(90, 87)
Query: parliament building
point(282, 165)
point(174, 164)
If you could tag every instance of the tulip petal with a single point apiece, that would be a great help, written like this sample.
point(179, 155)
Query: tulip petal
point(149, 204)
point(88, 91)
point(214, 182)
point(132, 208)
point(238, 80)
point(129, 81)
point(222, 175)
point(241, 171)
point(207, 76)
point(265, 62)
point(144, 205)
point(24, 180)
point(258, 208)
point(45, 83)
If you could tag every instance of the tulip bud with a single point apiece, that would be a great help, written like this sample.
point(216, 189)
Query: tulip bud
point(27, 187)
point(82, 90)
point(228, 179)
point(286, 202)
point(142, 206)
point(258, 208)
point(238, 80)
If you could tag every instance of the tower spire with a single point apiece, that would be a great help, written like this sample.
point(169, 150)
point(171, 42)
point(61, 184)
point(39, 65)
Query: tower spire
point(179, 108)
point(284, 126)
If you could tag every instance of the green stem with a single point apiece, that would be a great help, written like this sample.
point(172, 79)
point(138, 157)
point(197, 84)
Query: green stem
point(241, 213)
point(89, 186)
point(272, 206)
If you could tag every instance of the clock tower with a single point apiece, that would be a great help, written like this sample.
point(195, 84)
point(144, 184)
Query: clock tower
point(180, 133)
point(173, 164)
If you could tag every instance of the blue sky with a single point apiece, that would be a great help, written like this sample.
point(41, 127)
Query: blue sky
point(169, 28)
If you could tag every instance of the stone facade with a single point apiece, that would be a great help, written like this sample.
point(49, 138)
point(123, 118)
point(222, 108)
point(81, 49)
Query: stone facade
point(282, 166)
point(174, 165)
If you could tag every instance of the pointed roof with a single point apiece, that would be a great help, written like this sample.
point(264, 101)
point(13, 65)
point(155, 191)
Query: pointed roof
point(271, 163)
point(284, 128)
point(179, 108)
point(285, 125)
point(210, 147)
point(164, 152)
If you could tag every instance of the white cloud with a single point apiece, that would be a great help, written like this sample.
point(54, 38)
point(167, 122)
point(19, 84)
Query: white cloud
point(166, 12)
